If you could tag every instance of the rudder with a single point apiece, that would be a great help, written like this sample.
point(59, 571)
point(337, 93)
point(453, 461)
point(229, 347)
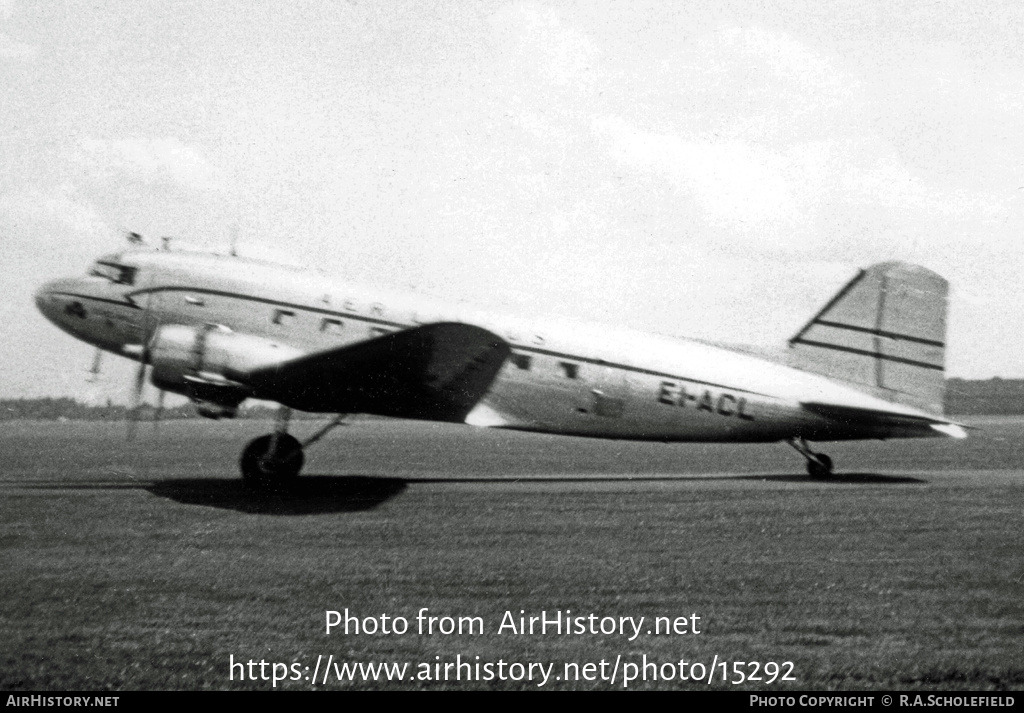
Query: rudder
point(884, 332)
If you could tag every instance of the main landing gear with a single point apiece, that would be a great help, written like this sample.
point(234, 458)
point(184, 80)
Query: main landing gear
point(275, 460)
point(819, 465)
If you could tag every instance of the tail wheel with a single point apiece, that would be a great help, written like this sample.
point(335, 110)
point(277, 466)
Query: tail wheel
point(259, 470)
point(820, 468)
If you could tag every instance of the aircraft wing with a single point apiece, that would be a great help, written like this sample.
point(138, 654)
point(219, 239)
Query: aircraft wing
point(897, 415)
point(437, 372)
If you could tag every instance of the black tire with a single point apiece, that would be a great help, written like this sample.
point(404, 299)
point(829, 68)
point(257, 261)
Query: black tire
point(259, 473)
point(822, 469)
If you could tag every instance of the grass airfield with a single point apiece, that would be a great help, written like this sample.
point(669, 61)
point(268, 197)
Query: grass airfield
point(148, 566)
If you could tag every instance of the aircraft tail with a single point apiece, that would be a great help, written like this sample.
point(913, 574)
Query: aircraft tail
point(883, 333)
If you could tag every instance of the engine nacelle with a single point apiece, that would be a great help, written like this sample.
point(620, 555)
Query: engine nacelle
point(208, 363)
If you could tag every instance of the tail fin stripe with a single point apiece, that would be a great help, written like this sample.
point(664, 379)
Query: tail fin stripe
point(877, 333)
point(864, 352)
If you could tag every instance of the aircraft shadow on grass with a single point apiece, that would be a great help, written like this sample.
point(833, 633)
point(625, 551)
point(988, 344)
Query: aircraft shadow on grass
point(350, 493)
point(840, 479)
point(306, 496)
point(323, 494)
point(834, 479)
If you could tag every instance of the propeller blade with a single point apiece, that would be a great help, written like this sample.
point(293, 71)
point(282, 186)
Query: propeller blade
point(136, 406)
point(159, 411)
point(94, 372)
point(140, 375)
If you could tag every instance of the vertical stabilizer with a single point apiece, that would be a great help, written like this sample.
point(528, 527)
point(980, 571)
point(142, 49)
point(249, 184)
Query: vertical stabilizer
point(884, 333)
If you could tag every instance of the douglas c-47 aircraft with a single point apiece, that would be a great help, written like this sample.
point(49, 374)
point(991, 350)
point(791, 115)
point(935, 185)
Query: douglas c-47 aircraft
point(220, 329)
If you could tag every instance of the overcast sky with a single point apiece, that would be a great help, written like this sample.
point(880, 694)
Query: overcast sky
point(707, 169)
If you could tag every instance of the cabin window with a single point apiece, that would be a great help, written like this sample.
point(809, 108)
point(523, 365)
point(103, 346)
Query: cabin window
point(379, 331)
point(569, 370)
point(331, 326)
point(118, 274)
point(522, 361)
point(283, 316)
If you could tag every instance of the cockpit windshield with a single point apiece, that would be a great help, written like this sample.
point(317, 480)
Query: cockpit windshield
point(116, 273)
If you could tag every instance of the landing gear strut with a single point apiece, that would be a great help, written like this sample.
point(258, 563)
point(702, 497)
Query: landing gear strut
point(819, 465)
point(275, 460)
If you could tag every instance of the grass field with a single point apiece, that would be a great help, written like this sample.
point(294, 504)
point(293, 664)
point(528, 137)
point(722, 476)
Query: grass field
point(150, 567)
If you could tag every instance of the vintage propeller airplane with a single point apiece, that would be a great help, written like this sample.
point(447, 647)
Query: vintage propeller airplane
point(221, 329)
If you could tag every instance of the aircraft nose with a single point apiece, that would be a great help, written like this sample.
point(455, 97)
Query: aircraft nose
point(43, 298)
point(47, 300)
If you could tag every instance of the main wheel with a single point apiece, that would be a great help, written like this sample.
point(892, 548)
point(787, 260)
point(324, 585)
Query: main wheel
point(260, 471)
point(822, 469)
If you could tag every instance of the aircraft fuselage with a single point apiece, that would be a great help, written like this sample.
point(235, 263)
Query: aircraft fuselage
point(561, 377)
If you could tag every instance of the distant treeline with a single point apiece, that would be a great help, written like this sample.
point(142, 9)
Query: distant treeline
point(52, 409)
point(993, 397)
point(964, 397)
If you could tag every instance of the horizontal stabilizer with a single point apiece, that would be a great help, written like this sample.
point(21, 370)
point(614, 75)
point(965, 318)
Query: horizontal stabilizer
point(437, 372)
point(885, 417)
point(953, 430)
